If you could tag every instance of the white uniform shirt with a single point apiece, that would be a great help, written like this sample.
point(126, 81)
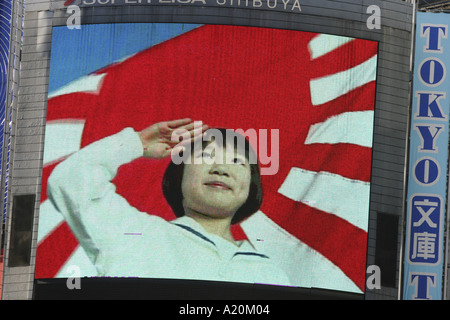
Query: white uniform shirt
point(124, 242)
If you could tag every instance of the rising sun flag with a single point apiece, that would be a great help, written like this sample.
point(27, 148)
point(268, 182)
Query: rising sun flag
point(318, 90)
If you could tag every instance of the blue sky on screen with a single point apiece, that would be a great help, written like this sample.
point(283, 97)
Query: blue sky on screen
point(78, 52)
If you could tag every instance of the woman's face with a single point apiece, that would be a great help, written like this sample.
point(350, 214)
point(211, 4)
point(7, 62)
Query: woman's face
point(217, 182)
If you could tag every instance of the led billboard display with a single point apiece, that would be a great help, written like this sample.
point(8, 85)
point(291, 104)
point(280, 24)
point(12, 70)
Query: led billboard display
point(305, 102)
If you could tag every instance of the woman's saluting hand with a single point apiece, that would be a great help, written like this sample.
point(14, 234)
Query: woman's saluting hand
point(161, 139)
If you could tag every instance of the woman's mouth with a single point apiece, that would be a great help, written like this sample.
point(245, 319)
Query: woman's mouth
point(217, 185)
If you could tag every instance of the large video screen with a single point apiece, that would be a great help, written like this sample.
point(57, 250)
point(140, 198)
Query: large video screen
point(115, 203)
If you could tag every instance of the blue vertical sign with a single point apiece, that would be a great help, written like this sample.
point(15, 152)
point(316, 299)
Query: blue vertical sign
point(424, 237)
point(5, 33)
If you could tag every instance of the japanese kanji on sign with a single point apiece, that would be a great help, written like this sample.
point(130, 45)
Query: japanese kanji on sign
point(423, 265)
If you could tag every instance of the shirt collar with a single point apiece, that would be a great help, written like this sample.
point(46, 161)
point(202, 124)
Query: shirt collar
point(196, 228)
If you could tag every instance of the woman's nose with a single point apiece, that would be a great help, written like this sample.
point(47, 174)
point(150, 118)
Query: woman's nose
point(219, 168)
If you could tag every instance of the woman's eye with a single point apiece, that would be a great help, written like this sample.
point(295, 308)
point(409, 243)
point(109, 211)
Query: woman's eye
point(238, 161)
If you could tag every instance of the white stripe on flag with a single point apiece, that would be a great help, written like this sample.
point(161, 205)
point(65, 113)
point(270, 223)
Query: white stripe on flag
point(78, 261)
point(331, 193)
point(90, 83)
point(62, 139)
point(304, 266)
point(332, 86)
point(325, 43)
point(349, 127)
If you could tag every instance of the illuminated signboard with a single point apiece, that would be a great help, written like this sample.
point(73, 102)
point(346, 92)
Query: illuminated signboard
point(304, 100)
point(428, 161)
point(5, 30)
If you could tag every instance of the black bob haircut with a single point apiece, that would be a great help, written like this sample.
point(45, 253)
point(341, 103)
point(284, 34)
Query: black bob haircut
point(171, 183)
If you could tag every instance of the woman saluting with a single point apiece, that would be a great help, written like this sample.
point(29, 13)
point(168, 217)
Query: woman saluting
point(208, 194)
